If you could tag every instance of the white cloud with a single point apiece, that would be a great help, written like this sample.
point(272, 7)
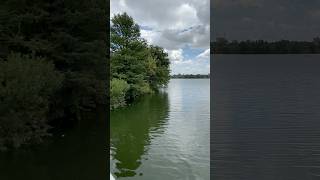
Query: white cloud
point(150, 36)
point(190, 67)
point(163, 14)
point(198, 65)
point(205, 54)
point(194, 37)
point(173, 25)
point(175, 55)
point(185, 16)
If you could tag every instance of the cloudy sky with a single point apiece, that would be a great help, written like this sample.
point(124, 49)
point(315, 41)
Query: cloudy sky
point(181, 27)
point(266, 19)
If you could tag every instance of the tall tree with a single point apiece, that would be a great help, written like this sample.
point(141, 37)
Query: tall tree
point(125, 33)
point(72, 35)
point(142, 66)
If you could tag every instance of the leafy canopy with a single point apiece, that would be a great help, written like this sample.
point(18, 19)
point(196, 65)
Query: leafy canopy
point(142, 66)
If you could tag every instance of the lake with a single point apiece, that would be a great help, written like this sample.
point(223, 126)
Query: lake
point(266, 117)
point(165, 135)
point(77, 153)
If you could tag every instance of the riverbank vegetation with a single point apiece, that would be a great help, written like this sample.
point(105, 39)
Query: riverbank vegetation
point(136, 67)
point(53, 65)
point(223, 46)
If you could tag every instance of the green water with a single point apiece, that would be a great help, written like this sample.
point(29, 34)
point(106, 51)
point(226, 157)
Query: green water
point(164, 135)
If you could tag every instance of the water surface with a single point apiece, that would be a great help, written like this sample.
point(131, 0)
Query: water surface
point(164, 135)
point(266, 117)
point(78, 153)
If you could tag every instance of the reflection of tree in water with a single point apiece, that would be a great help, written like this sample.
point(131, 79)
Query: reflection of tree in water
point(131, 131)
point(74, 153)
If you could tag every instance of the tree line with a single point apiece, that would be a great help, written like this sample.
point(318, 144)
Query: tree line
point(136, 68)
point(224, 46)
point(53, 65)
point(190, 76)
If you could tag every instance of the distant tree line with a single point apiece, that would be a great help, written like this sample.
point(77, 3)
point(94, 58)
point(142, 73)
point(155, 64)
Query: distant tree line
point(53, 65)
point(136, 68)
point(223, 46)
point(190, 76)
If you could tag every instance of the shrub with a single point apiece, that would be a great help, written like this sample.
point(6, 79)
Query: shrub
point(26, 86)
point(118, 89)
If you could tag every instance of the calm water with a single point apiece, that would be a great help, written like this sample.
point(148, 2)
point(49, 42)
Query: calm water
point(164, 136)
point(79, 155)
point(266, 117)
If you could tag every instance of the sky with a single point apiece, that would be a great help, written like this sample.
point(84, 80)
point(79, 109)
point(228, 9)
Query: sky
point(266, 19)
point(181, 27)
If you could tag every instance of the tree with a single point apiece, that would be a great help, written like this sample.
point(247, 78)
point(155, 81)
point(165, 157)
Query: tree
point(125, 33)
point(223, 46)
point(27, 86)
point(162, 70)
point(69, 34)
point(143, 67)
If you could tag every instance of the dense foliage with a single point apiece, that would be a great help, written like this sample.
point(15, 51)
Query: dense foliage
point(71, 37)
point(143, 67)
point(118, 89)
point(223, 46)
point(27, 85)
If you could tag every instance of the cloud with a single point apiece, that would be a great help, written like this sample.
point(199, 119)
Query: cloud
point(198, 65)
point(315, 13)
point(175, 55)
point(204, 55)
point(238, 3)
point(190, 67)
point(266, 19)
point(195, 37)
point(173, 25)
point(150, 36)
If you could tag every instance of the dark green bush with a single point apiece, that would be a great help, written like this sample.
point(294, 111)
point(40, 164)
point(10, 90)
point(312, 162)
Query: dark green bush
point(26, 86)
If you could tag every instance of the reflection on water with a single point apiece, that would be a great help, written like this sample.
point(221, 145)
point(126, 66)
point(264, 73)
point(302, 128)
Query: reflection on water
point(131, 129)
point(266, 117)
point(78, 155)
point(164, 135)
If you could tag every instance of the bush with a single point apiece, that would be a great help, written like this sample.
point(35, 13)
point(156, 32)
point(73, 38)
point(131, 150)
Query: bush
point(26, 86)
point(118, 89)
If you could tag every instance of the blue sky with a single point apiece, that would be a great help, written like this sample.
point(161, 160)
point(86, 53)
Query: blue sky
point(181, 27)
